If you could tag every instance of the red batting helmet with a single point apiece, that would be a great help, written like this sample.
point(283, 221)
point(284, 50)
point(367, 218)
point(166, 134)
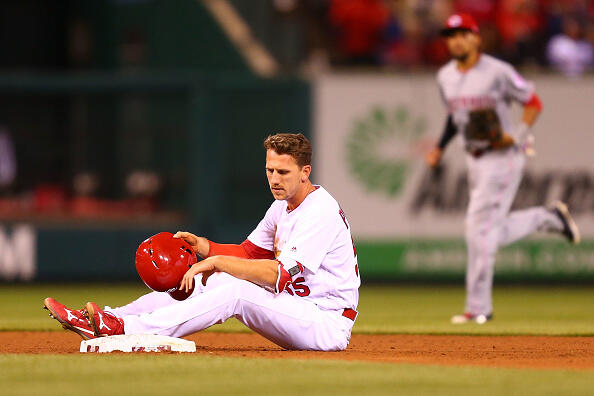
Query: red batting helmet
point(162, 261)
point(460, 22)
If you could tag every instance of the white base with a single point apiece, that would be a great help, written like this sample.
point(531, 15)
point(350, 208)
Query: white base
point(137, 343)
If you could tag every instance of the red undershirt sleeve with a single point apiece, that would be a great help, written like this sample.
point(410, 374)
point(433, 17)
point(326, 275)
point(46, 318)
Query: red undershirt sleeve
point(256, 252)
point(534, 102)
point(246, 250)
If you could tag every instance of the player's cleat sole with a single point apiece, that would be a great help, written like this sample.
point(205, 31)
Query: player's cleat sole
point(469, 318)
point(53, 307)
point(570, 228)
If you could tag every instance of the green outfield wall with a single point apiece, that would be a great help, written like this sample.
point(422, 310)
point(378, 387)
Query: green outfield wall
point(28, 253)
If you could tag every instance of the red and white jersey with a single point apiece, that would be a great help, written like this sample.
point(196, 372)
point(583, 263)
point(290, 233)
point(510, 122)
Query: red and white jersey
point(490, 84)
point(317, 236)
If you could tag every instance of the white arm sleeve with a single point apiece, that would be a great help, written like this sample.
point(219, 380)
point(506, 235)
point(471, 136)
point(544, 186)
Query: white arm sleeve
point(515, 86)
point(263, 235)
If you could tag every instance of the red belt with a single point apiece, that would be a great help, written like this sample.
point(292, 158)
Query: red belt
point(349, 313)
point(477, 153)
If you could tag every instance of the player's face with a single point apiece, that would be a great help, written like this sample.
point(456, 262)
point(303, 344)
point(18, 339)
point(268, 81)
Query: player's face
point(285, 177)
point(462, 43)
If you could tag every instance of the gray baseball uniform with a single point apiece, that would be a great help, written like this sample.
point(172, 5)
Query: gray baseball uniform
point(479, 101)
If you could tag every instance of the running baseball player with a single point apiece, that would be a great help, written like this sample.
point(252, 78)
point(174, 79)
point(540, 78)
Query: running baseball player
point(294, 280)
point(478, 90)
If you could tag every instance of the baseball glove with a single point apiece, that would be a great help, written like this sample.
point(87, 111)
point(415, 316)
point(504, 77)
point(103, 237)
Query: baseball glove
point(483, 131)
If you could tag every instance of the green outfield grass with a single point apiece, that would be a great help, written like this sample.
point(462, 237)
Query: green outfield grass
point(386, 309)
point(517, 309)
point(199, 374)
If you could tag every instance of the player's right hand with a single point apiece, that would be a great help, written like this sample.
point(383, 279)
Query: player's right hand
point(433, 157)
point(199, 244)
point(205, 267)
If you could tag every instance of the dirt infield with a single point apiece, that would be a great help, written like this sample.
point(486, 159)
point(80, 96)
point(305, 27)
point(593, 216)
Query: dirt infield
point(500, 351)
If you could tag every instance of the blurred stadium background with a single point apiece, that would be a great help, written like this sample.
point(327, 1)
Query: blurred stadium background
point(122, 118)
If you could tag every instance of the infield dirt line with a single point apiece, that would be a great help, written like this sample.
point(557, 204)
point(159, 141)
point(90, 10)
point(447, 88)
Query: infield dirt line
point(489, 351)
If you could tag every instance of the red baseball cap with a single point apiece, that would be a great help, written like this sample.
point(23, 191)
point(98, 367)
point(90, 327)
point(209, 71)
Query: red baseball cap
point(460, 22)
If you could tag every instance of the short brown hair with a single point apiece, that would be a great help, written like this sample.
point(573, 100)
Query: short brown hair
point(294, 144)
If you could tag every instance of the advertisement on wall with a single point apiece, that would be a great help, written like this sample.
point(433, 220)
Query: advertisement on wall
point(371, 135)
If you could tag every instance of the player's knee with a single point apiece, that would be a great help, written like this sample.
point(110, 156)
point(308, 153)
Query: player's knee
point(227, 297)
point(248, 294)
point(480, 230)
point(481, 238)
point(240, 296)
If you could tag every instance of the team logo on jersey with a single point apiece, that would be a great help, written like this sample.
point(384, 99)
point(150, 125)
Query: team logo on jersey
point(381, 145)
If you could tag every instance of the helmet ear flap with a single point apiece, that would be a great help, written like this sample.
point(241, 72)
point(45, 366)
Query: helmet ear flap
point(174, 292)
point(181, 295)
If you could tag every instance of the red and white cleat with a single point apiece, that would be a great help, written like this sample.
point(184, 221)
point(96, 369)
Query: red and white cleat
point(71, 319)
point(103, 323)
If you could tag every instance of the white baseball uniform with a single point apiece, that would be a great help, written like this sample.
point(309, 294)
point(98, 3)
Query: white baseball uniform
point(494, 176)
point(315, 311)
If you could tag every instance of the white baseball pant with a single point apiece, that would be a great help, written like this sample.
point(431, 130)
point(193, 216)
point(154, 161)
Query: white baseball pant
point(494, 179)
point(289, 321)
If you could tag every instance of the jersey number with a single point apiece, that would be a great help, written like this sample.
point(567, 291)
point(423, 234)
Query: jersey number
point(300, 289)
point(346, 223)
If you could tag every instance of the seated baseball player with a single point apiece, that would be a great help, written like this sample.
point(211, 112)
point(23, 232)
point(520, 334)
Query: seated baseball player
point(294, 280)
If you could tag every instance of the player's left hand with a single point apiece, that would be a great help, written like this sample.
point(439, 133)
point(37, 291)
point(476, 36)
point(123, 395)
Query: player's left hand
point(433, 157)
point(205, 267)
point(506, 141)
point(528, 146)
point(200, 245)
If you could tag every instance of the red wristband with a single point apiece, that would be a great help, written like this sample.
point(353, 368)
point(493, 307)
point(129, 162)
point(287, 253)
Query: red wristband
point(246, 250)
